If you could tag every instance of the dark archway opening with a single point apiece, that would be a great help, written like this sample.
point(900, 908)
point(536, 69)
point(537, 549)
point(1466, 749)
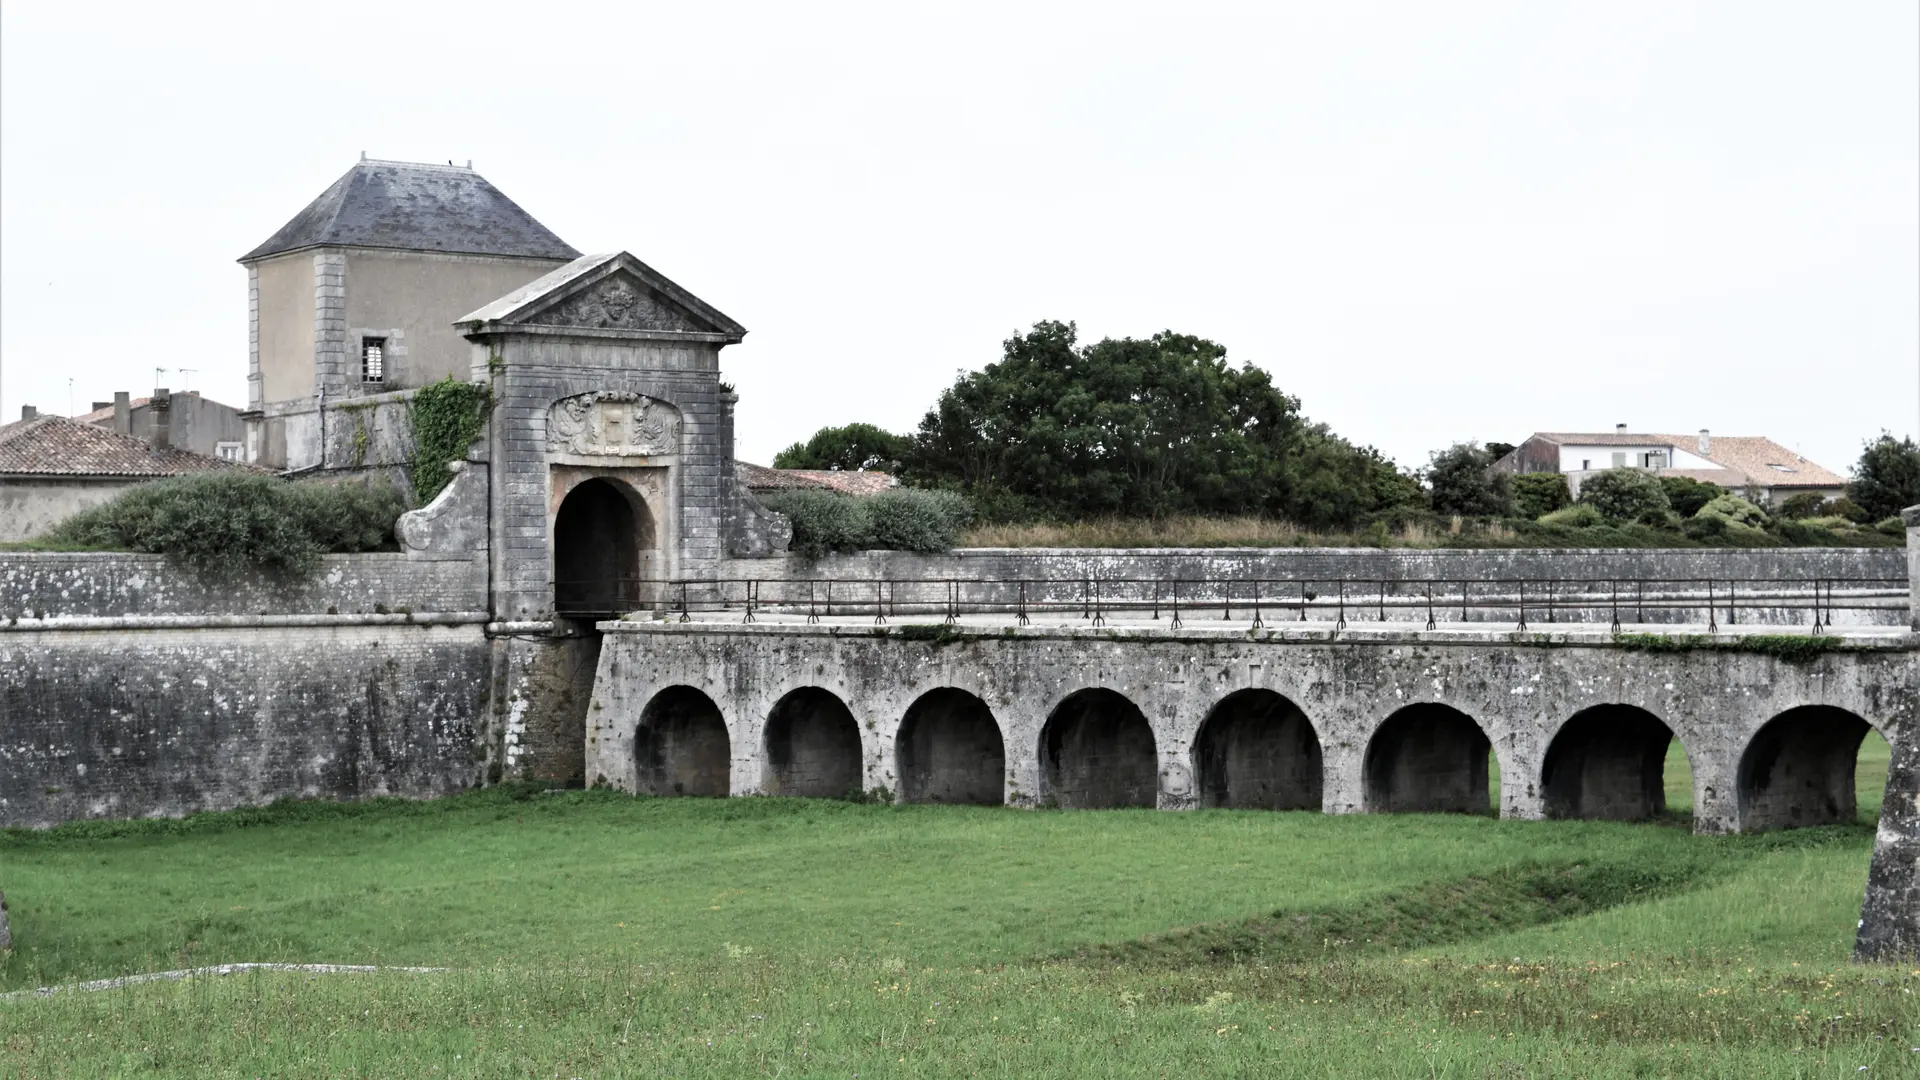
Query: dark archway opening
point(1608, 763)
point(597, 538)
point(1799, 770)
point(1097, 752)
point(949, 750)
point(1257, 751)
point(813, 746)
point(681, 745)
point(1428, 759)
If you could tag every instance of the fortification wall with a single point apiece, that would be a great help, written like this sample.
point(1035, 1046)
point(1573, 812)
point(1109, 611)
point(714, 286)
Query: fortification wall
point(48, 585)
point(131, 688)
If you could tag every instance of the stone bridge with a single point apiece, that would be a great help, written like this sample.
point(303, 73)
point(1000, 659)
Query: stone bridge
point(1377, 718)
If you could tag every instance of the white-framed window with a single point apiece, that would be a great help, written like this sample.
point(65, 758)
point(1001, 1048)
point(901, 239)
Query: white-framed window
point(1619, 459)
point(373, 359)
point(1656, 459)
point(228, 451)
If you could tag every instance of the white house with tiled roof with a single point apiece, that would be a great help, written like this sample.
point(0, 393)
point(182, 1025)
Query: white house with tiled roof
point(1753, 464)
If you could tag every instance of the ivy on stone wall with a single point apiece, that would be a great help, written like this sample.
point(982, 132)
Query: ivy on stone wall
point(447, 416)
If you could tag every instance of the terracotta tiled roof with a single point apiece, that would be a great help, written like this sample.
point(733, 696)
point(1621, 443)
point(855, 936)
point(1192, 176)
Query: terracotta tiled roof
point(98, 416)
point(863, 482)
point(60, 446)
point(1752, 457)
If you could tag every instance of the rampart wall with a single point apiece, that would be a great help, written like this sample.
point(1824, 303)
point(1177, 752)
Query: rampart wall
point(132, 688)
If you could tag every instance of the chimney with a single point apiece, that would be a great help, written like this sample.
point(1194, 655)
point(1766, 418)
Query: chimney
point(162, 406)
point(123, 412)
point(1619, 429)
point(1706, 443)
point(28, 412)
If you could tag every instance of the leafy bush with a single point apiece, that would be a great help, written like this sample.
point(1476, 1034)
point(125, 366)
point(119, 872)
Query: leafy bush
point(1852, 511)
point(823, 521)
point(912, 520)
point(1580, 515)
point(1535, 494)
point(1804, 505)
point(1687, 495)
point(1623, 495)
point(1892, 526)
point(1735, 510)
point(903, 520)
point(222, 522)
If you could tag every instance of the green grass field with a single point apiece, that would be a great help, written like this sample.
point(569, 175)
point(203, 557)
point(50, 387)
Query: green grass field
point(595, 934)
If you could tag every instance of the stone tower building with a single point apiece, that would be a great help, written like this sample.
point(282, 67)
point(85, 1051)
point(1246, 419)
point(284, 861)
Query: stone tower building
point(604, 479)
point(353, 301)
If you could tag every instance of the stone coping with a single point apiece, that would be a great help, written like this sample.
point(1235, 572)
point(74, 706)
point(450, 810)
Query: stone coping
point(973, 628)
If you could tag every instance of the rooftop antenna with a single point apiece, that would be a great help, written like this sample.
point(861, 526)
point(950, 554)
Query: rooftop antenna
point(69, 397)
point(184, 373)
point(157, 372)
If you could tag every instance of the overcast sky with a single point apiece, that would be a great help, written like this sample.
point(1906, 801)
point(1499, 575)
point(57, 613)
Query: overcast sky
point(1431, 221)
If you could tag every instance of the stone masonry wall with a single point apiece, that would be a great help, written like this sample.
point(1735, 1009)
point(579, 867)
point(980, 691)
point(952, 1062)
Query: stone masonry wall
point(49, 585)
point(168, 722)
point(132, 688)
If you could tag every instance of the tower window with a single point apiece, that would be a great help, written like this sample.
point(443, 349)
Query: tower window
point(373, 359)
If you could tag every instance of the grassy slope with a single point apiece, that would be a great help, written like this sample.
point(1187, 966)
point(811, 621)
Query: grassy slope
point(597, 934)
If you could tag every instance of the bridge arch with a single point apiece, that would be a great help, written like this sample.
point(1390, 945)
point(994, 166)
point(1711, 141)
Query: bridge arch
point(681, 745)
point(813, 746)
point(1798, 770)
point(1097, 752)
point(1256, 750)
point(949, 749)
point(1427, 758)
point(1607, 762)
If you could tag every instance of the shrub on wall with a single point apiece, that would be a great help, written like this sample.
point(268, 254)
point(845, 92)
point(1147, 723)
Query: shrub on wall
point(223, 522)
point(446, 417)
point(904, 520)
point(1539, 493)
point(1624, 495)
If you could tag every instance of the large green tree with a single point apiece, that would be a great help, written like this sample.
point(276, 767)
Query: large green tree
point(1463, 482)
point(1141, 428)
point(1887, 479)
point(851, 447)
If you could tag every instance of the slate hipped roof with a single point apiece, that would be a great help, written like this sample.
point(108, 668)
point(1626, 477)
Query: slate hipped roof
point(416, 207)
point(61, 446)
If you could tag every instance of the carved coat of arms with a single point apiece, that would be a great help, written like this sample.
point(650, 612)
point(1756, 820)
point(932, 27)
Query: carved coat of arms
point(617, 304)
point(613, 424)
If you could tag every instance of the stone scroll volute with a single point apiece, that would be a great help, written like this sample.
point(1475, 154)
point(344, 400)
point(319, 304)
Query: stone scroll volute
point(613, 424)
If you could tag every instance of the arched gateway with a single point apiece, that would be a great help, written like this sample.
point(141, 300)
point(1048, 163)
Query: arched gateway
point(598, 535)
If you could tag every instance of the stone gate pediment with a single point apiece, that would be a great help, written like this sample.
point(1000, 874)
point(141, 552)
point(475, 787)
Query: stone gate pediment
point(612, 423)
point(620, 302)
point(605, 295)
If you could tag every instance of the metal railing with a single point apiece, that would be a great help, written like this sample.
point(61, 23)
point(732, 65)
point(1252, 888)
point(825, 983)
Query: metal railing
point(1259, 602)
